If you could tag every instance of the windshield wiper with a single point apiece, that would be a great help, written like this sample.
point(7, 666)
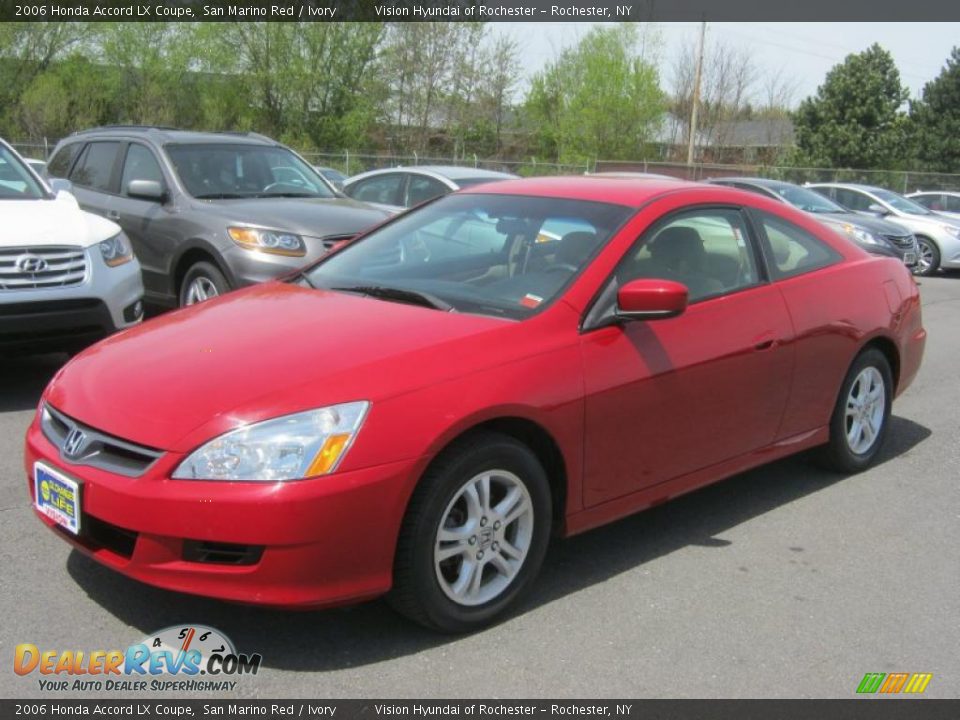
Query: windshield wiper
point(221, 196)
point(408, 296)
point(286, 195)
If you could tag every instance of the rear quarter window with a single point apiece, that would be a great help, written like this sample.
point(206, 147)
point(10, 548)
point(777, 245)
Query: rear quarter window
point(791, 250)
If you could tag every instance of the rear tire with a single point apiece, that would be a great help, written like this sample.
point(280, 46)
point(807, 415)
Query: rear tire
point(861, 416)
point(474, 536)
point(203, 281)
point(928, 257)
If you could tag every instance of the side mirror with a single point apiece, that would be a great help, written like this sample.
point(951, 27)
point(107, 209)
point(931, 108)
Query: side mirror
point(651, 299)
point(146, 190)
point(878, 209)
point(58, 185)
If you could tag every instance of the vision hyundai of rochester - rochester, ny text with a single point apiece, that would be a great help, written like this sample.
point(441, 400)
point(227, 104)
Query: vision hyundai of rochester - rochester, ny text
point(67, 278)
point(419, 412)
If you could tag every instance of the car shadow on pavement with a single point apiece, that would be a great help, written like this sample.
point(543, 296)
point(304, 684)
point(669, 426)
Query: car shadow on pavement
point(369, 633)
point(23, 378)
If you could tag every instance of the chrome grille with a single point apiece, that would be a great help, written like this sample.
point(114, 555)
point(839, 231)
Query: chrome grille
point(903, 241)
point(32, 268)
point(82, 445)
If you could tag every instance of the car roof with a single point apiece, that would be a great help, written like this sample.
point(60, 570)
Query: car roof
point(851, 186)
point(445, 172)
point(164, 135)
point(762, 182)
point(632, 191)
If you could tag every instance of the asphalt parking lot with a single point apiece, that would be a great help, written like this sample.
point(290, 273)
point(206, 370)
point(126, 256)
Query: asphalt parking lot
point(786, 581)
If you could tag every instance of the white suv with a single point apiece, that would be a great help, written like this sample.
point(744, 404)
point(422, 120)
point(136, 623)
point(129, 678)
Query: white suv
point(67, 277)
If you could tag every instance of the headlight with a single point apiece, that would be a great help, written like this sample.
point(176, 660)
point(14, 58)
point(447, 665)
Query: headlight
point(951, 230)
point(862, 235)
point(116, 251)
point(275, 242)
point(291, 447)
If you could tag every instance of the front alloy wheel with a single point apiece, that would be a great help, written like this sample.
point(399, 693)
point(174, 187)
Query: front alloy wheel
point(483, 538)
point(474, 535)
point(928, 257)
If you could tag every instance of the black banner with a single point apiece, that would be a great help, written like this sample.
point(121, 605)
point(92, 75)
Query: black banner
point(858, 709)
point(476, 10)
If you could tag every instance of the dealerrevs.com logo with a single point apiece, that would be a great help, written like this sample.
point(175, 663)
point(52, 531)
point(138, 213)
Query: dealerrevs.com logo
point(180, 658)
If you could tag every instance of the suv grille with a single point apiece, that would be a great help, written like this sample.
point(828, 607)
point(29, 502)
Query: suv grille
point(82, 445)
point(31, 268)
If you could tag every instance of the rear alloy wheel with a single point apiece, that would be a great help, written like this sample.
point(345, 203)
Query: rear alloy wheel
point(474, 536)
point(859, 422)
point(203, 281)
point(928, 256)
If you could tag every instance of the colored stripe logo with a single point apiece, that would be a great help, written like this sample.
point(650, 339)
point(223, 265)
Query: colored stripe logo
point(912, 683)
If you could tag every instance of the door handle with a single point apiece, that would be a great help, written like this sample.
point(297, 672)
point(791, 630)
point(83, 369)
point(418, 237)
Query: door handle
point(113, 215)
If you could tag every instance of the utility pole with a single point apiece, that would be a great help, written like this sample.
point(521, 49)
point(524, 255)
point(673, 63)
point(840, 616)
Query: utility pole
point(696, 95)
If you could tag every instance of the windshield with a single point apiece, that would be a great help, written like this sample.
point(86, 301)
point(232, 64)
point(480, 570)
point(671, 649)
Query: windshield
point(16, 182)
point(899, 202)
point(501, 255)
point(807, 200)
point(222, 170)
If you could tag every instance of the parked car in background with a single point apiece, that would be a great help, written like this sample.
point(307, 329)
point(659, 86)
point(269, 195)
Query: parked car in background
point(938, 237)
point(943, 202)
point(422, 426)
point(39, 166)
point(399, 188)
point(332, 176)
point(67, 277)
point(872, 234)
point(207, 212)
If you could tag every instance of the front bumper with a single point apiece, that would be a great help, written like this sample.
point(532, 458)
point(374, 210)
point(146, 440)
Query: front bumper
point(307, 543)
point(54, 318)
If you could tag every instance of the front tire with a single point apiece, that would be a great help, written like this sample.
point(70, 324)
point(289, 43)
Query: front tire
point(928, 256)
point(860, 418)
point(203, 281)
point(474, 536)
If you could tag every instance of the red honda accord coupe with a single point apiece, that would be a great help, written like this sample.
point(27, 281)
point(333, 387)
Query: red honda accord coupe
point(418, 413)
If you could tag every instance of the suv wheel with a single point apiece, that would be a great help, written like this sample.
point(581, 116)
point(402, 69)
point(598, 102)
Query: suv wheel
point(202, 282)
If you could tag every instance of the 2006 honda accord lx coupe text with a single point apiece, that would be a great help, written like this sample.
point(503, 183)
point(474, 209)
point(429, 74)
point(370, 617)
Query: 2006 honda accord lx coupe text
point(417, 413)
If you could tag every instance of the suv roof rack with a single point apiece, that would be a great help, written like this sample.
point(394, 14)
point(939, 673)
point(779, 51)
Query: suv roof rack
point(165, 128)
point(125, 127)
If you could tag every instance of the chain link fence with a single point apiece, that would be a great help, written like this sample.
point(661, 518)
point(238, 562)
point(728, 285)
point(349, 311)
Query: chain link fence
point(351, 163)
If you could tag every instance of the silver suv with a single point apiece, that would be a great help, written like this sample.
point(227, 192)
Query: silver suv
point(67, 277)
point(208, 212)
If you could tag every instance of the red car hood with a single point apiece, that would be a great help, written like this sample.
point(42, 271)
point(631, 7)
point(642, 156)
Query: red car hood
point(266, 351)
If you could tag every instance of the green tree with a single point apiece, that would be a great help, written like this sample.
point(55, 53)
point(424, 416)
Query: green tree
point(855, 119)
point(600, 98)
point(936, 118)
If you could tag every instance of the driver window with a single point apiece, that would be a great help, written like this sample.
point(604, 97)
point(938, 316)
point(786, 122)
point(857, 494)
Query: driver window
point(706, 250)
point(140, 164)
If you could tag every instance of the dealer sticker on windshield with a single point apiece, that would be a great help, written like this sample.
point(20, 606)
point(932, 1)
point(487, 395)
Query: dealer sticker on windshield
point(57, 497)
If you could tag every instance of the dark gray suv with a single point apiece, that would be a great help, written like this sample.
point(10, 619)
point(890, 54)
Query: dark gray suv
point(207, 212)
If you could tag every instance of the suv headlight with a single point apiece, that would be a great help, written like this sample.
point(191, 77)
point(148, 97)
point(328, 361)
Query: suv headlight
point(116, 250)
point(862, 235)
point(291, 447)
point(275, 242)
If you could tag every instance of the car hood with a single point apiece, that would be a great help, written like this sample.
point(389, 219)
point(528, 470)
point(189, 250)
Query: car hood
point(265, 351)
point(874, 225)
point(58, 221)
point(313, 217)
